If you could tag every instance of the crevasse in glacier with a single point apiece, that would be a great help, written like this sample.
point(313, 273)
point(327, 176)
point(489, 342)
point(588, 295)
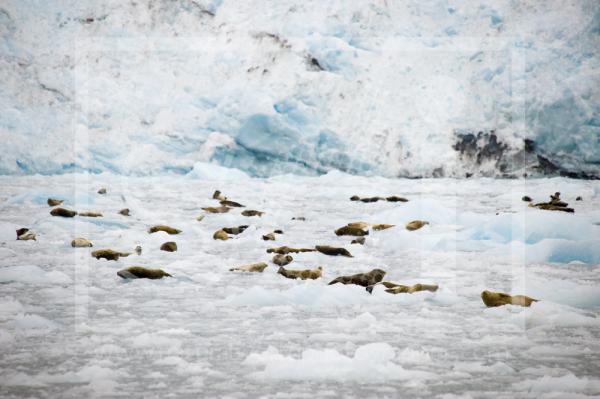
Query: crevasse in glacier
point(376, 87)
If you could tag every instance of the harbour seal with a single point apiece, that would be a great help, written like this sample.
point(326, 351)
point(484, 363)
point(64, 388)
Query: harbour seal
point(362, 279)
point(124, 211)
point(284, 250)
point(219, 196)
point(395, 198)
point(282, 260)
point(415, 225)
point(220, 235)
point(254, 267)
point(307, 274)
point(24, 234)
point(169, 246)
point(579, 198)
point(65, 213)
point(300, 218)
point(278, 231)
point(81, 243)
point(269, 237)
point(54, 202)
point(493, 299)
point(138, 249)
point(333, 251)
point(235, 230)
point(90, 214)
point(526, 198)
point(102, 191)
point(109, 254)
point(165, 228)
point(142, 272)
point(251, 212)
point(232, 204)
point(382, 226)
point(359, 225)
point(351, 231)
point(200, 218)
point(358, 240)
point(219, 209)
point(405, 289)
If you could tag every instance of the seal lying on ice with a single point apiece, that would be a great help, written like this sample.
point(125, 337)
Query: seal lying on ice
point(363, 279)
point(311, 274)
point(142, 272)
point(333, 251)
point(493, 299)
point(254, 267)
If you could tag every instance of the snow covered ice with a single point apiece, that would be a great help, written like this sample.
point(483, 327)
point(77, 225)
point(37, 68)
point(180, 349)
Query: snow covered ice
point(70, 327)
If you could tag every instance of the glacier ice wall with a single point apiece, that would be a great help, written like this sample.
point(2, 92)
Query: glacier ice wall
point(368, 87)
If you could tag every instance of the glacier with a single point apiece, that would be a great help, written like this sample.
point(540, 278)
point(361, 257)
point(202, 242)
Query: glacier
point(375, 87)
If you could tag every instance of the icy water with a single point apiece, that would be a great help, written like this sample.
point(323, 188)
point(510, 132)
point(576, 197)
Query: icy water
point(71, 328)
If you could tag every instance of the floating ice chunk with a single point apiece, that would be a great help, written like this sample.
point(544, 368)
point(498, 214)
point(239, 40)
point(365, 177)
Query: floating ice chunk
point(32, 275)
point(370, 363)
point(566, 383)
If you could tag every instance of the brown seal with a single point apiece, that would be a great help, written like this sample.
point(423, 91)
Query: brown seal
point(269, 237)
point(405, 289)
point(169, 246)
point(109, 254)
point(235, 230)
point(232, 204)
point(102, 191)
point(24, 234)
point(124, 211)
point(493, 299)
point(286, 250)
point(251, 212)
point(311, 274)
point(54, 202)
point(90, 214)
point(382, 226)
point(395, 198)
point(165, 228)
point(358, 240)
point(254, 267)
point(142, 272)
point(282, 260)
point(351, 231)
point(220, 235)
point(220, 209)
point(415, 225)
point(81, 243)
point(362, 279)
point(66, 213)
point(333, 251)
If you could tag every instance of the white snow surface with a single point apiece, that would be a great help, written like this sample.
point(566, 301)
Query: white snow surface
point(71, 328)
point(144, 87)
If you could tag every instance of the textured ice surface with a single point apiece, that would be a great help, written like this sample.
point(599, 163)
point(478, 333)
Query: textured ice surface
point(278, 86)
point(71, 328)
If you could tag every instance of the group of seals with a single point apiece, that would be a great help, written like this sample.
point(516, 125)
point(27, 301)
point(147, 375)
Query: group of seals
point(555, 204)
point(393, 198)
